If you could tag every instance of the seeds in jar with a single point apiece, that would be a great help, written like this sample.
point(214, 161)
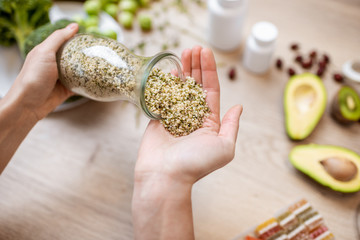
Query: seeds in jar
point(104, 70)
point(181, 104)
point(98, 68)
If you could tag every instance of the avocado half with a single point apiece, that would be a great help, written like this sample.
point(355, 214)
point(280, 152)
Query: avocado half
point(345, 107)
point(304, 104)
point(332, 166)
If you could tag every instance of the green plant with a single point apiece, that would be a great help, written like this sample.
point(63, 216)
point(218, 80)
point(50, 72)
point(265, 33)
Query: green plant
point(18, 18)
point(41, 33)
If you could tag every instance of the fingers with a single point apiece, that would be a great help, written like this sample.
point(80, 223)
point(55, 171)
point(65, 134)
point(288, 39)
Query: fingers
point(59, 37)
point(186, 62)
point(230, 123)
point(196, 64)
point(191, 61)
point(210, 80)
point(59, 94)
point(200, 64)
point(174, 73)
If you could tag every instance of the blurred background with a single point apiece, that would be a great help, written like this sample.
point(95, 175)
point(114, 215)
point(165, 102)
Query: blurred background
point(72, 177)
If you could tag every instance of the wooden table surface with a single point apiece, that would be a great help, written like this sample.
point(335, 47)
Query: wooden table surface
point(72, 177)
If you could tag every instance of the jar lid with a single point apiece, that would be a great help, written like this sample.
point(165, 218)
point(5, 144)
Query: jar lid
point(230, 3)
point(264, 33)
point(351, 70)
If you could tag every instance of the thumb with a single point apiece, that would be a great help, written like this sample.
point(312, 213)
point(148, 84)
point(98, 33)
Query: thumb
point(230, 123)
point(59, 37)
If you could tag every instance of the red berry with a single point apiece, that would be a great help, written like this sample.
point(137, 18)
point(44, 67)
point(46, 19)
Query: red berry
point(307, 65)
point(279, 64)
point(320, 72)
point(326, 58)
point(294, 46)
point(322, 64)
point(338, 77)
point(232, 73)
point(313, 54)
point(299, 59)
point(291, 72)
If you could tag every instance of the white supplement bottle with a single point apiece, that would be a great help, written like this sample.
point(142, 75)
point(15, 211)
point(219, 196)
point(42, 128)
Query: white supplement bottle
point(260, 46)
point(226, 19)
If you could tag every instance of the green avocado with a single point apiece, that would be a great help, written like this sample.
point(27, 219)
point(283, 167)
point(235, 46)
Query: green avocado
point(345, 107)
point(332, 166)
point(304, 104)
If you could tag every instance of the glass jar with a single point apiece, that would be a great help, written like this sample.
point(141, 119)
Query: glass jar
point(103, 69)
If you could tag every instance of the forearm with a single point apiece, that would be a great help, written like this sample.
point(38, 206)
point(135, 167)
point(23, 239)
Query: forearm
point(15, 123)
point(162, 209)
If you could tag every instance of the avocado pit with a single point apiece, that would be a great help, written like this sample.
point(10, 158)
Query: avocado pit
point(341, 169)
point(305, 97)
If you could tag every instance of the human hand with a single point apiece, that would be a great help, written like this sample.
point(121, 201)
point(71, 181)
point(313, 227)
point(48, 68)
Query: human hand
point(167, 167)
point(189, 158)
point(34, 94)
point(36, 85)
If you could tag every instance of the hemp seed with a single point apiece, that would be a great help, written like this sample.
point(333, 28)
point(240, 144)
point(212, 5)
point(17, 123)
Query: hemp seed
point(181, 104)
point(103, 70)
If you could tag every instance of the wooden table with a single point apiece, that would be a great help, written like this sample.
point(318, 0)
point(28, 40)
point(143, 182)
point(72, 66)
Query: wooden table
point(72, 177)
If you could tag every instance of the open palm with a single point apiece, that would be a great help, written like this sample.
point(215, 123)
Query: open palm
point(191, 157)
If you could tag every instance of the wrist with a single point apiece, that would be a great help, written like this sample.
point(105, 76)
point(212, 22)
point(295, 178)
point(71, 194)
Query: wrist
point(161, 208)
point(15, 111)
point(15, 123)
point(157, 186)
point(156, 193)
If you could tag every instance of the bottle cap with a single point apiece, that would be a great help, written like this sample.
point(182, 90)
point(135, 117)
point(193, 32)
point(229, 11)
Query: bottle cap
point(230, 3)
point(264, 33)
point(351, 70)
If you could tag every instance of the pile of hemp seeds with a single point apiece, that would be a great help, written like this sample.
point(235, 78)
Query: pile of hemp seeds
point(181, 104)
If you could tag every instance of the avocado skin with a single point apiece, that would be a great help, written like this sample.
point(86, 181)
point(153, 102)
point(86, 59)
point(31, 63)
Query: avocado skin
point(302, 164)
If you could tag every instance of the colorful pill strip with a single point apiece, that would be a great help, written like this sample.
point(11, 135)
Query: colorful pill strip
point(299, 222)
